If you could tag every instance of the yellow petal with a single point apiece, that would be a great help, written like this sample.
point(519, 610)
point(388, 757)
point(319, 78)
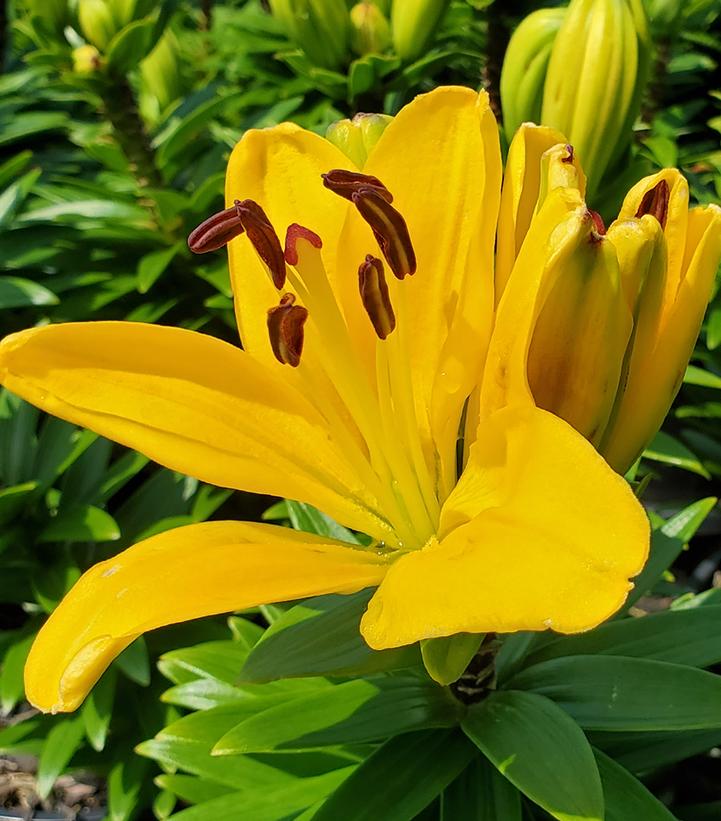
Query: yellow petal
point(280, 169)
point(523, 181)
point(561, 226)
point(182, 574)
point(676, 222)
point(545, 535)
point(663, 342)
point(191, 402)
point(440, 158)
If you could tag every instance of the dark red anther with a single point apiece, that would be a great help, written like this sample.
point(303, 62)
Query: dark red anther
point(347, 183)
point(390, 231)
point(265, 241)
point(599, 229)
point(375, 297)
point(569, 157)
point(292, 235)
point(286, 330)
point(655, 203)
point(216, 231)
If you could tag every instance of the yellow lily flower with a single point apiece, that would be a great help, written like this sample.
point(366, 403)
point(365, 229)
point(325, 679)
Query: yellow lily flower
point(349, 395)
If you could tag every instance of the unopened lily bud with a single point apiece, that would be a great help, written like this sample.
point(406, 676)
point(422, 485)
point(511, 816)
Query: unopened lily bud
point(357, 137)
point(665, 15)
point(370, 30)
point(96, 22)
point(670, 303)
point(413, 23)
point(578, 345)
point(160, 72)
point(524, 67)
point(321, 28)
point(539, 161)
point(86, 60)
point(595, 78)
point(126, 11)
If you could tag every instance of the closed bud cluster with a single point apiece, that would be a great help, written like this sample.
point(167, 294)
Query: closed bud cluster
point(320, 28)
point(601, 322)
point(370, 30)
point(101, 20)
point(358, 136)
point(581, 70)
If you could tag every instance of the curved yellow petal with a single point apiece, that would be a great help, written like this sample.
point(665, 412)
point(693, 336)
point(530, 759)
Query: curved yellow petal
point(194, 404)
point(440, 158)
point(544, 535)
point(280, 169)
point(182, 574)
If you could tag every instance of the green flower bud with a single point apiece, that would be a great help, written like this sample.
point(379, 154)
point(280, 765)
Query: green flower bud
point(413, 23)
point(370, 31)
point(321, 28)
point(96, 22)
point(160, 74)
point(358, 136)
point(87, 60)
point(524, 68)
point(595, 78)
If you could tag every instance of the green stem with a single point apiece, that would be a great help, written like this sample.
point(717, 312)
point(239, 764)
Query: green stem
point(129, 129)
point(497, 36)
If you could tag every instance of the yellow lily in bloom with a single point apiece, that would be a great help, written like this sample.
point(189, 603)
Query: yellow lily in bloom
point(364, 337)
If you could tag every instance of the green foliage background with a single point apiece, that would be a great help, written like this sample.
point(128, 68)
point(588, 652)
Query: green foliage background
point(102, 176)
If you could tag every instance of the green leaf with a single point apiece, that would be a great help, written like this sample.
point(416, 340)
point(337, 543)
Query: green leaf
point(280, 804)
point(446, 658)
point(152, 265)
point(130, 45)
point(192, 789)
point(321, 636)
point(481, 793)
point(665, 448)
point(97, 710)
point(134, 662)
point(401, 778)
point(667, 541)
point(619, 693)
point(14, 195)
point(645, 752)
point(20, 293)
point(12, 499)
point(84, 523)
point(355, 712)
point(12, 688)
point(61, 744)
point(310, 520)
point(626, 797)
point(540, 750)
point(701, 377)
point(689, 636)
point(125, 783)
point(213, 659)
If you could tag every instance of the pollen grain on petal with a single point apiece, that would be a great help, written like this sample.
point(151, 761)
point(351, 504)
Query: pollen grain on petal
point(347, 183)
point(375, 297)
point(292, 235)
point(390, 229)
point(655, 202)
point(286, 322)
point(216, 231)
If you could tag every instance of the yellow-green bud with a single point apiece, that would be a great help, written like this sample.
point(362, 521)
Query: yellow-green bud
point(370, 31)
point(592, 89)
point(86, 60)
point(524, 68)
point(358, 136)
point(321, 28)
point(160, 75)
point(96, 22)
point(413, 23)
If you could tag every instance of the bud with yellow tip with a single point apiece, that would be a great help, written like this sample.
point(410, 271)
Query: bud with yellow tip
point(86, 60)
point(358, 136)
point(96, 22)
point(413, 23)
point(370, 30)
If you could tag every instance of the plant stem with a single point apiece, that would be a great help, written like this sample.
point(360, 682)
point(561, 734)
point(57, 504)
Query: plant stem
point(129, 129)
point(480, 675)
point(497, 36)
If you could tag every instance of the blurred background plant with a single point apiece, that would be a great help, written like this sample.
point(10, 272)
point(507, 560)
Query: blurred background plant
point(117, 117)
